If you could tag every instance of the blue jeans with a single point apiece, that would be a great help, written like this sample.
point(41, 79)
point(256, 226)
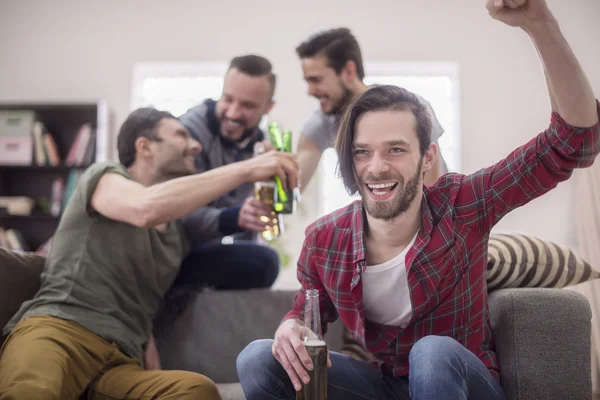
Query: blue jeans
point(440, 368)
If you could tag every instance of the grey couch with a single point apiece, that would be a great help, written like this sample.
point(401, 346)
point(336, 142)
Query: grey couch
point(542, 338)
point(543, 335)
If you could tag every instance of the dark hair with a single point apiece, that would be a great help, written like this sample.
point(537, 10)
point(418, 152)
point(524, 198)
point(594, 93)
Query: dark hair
point(142, 122)
point(339, 45)
point(254, 65)
point(378, 98)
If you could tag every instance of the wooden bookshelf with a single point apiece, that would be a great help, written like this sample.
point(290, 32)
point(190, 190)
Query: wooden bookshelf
point(62, 121)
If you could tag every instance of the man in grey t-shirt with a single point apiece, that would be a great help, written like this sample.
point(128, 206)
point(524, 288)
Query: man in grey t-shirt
point(333, 69)
point(117, 249)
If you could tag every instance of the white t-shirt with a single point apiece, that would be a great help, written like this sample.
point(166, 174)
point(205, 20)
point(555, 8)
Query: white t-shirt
point(386, 297)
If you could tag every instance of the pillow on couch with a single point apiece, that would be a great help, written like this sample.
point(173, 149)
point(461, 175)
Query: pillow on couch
point(19, 280)
point(516, 260)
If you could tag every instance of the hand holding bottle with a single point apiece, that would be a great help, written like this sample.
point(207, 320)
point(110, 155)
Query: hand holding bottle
point(254, 214)
point(302, 352)
point(273, 163)
point(289, 350)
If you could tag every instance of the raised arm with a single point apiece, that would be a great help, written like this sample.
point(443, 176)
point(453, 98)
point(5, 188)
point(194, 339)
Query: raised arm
point(122, 199)
point(571, 141)
point(570, 91)
point(309, 155)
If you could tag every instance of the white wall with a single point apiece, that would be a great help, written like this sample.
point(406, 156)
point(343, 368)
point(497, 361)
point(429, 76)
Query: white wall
point(83, 49)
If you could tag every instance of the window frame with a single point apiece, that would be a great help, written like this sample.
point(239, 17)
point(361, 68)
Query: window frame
point(145, 70)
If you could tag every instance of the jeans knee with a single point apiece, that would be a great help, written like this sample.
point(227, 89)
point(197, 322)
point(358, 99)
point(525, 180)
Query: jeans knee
point(433, 357)
point(434, 346)
point(269, 266)
point(254, 357)
point(434, 352)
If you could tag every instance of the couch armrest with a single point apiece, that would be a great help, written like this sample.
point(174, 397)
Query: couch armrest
point(543, 343)
point(19, 281)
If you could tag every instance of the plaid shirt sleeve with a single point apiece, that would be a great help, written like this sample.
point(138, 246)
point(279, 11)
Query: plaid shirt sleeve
point(310, 278)
point(527, 173)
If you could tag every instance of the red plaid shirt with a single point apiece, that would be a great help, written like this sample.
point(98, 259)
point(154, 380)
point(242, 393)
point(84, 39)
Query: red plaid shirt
point(446, 266)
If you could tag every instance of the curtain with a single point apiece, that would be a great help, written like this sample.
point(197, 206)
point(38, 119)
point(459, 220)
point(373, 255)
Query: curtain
point(587, 209)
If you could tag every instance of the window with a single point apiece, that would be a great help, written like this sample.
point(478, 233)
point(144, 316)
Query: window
point(435, 82)
point(176, 87)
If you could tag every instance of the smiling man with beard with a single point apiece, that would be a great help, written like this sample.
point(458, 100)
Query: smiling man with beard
point(228, 129)
point(404, 268)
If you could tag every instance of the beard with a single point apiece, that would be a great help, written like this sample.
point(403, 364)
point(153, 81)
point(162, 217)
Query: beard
point(404, 195)
point(346, 99)
point(247, 130)
point(176, 168)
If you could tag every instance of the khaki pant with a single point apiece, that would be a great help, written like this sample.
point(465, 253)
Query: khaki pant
point(50, 358)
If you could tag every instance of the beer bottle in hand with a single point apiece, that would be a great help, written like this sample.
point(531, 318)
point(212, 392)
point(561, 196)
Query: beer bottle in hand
point(282, 141)
point(265, 191)
point(316, 388)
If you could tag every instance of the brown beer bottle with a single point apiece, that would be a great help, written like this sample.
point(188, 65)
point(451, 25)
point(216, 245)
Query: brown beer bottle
point(316, 388)
point(266, 192)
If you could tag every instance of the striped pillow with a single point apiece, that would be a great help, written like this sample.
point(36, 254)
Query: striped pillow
point(525, 261)
point(354, 349)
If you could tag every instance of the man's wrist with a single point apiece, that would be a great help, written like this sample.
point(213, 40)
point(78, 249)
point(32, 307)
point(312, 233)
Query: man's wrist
point(291, 318)
point(540, 27)
point(228, 220)
point(243, 171)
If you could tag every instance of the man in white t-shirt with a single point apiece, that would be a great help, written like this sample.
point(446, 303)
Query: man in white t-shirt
point(429, 329)
point(333, 69)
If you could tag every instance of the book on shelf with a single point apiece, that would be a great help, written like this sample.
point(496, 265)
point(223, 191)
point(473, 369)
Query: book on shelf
point(17, 205)
point(25, 140)
point(69, 188)
point(81, 152)
point(82, 149)
point(57, 196)
point(53, 204)
point(44, 248)
point(13, 239)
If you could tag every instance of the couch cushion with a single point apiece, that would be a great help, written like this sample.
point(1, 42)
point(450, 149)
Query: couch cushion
point(19, 280)
point(516, 260)
point(231, 391)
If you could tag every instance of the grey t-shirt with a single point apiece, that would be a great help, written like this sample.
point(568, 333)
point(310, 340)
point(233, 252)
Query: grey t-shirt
point(322, 128)
point(108, 276)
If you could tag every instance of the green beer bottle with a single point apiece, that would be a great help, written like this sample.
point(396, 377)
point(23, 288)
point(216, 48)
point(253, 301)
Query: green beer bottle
point(285, 200)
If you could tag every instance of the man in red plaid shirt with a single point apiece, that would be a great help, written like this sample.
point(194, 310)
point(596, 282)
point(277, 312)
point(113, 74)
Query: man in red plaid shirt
point(405, 267)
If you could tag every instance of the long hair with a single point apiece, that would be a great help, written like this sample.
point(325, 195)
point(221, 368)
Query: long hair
point(377, 98)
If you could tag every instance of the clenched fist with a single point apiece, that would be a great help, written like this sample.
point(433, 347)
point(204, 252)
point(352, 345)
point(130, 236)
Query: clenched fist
point(272, 163)
point(519, 13)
